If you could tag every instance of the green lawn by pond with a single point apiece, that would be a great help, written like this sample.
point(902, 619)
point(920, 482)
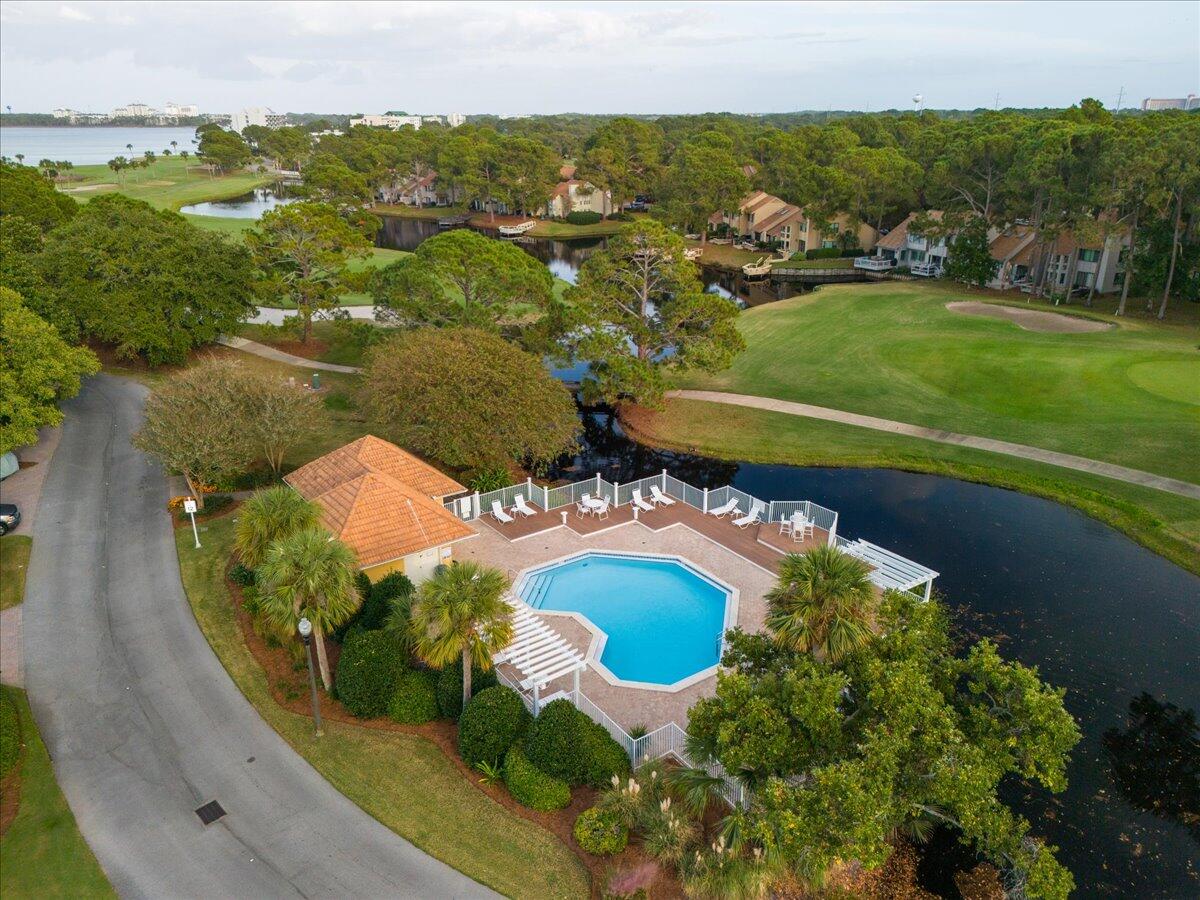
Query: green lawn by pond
point(403, 780)
point(169, 183)
point(1130, 395)
point(43, 855)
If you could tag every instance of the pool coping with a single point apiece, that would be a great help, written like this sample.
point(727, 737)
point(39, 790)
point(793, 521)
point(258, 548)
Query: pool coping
point(599, 637)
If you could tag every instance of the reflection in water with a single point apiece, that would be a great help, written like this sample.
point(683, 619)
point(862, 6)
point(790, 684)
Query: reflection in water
point(247, 206)
point(1096, 613)
point(1156, 760)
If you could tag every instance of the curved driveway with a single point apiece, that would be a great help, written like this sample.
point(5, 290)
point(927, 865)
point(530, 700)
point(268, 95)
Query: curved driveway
point(143, 723)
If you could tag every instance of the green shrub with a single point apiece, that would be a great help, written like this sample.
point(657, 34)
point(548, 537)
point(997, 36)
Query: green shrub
point(556, 741)
point(368, 672)
point(583, 217)
point(492, 722)
point(415, 699)
point(603, 757)
point(601, 831)
point(851, 251)
point(449, 688)
point(532, 787)
point(486, 480)
point(823, 253)
point(380, 597)
point(240, 574)
point(10, 735)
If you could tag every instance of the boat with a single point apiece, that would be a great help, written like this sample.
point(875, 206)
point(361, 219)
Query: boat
point(693, 252)
point(757, 269)
point(517, 230)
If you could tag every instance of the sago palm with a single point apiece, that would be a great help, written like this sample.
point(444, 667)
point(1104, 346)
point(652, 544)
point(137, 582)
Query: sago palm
point(822, 603)
point(461, 612)
point(268, 516)
point(309, 575)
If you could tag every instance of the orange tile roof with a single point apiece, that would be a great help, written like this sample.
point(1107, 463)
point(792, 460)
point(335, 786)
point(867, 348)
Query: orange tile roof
point(566, 172)
point(382, 519)
point(379, 500)
point(371, 454)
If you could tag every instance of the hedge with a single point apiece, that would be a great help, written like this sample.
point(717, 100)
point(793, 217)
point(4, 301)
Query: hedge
point(379, 599)
point(603, 757)
point(823, 253)
point(492, 722)
point(415, 699)
point(449, 688)
point(532, 787)
point(601, 831)
point(10, 735)
point(556, 741)
point(368, 672)
point(363, 583)
point(583, 217)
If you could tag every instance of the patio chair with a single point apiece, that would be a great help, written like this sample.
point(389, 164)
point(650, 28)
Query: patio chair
point(801, 527)
point(659, 497)
point(582, 509)
point(787, 524)
point(499, 514)
point(601, 511)
point(639, 503)
point(728, 508)
point(522, 507)
point(751, 517)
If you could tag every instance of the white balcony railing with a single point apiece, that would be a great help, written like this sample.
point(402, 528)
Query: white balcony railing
point(874, 263)
point(927, 270)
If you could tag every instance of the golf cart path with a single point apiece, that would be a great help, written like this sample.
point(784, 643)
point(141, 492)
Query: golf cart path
point(1022, 451)
point(249, 346)
point(142, 722)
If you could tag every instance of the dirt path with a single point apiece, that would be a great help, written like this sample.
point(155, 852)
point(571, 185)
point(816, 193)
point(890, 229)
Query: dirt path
point(1030, 319)
point(248, 346)
point(1022, 451)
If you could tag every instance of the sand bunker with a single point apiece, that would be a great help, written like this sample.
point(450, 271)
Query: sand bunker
point(1030, 319)
point(88, 187)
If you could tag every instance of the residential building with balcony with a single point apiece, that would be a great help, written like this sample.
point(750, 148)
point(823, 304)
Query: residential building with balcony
point(133, 111)
point(395, 123)
point(256, 115)
point(765, 218)
point(903, 244)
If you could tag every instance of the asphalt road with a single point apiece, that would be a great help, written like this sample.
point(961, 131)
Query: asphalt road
point(143, 723)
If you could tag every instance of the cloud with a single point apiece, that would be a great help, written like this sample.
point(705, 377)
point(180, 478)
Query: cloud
point(72, 14)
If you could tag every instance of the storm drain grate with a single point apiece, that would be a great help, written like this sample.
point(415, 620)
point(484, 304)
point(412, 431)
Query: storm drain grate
point(210, 812)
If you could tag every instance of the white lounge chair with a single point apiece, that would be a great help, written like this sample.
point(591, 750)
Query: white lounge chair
point(499, 514)
point(522, 507)
point(639, 503)
point(751, 517)
point(728, 508)
point(659, 497)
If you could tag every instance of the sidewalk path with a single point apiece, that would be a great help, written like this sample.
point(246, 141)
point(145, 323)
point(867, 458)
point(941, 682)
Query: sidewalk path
point(240, 343)
point(1065, 460)
point(273, 315)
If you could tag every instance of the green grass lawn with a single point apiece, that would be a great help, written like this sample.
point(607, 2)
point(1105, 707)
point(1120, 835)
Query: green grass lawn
point(1130, 395)
point(1166, 523)
point(42, 854)
point(402, 780)
point(836, 263)
point(14, 560)
point(169, 184)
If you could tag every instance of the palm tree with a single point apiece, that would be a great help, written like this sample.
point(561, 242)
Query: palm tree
point(822, 604)
point(268, 516)
point(20, 159)
point(310, 575)
point(461, 611)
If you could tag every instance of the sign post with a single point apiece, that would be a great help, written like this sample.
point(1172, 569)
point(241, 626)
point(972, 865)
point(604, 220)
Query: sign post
point(189, 507)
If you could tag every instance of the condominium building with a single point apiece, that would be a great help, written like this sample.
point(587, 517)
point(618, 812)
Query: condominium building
point(387, 121)
point(172, 108)
point(133, 110)
point(455, 119)
point(1191, 101)
point(256, 115)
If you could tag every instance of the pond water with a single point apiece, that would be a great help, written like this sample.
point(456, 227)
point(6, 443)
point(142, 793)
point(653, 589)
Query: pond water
point(1113, 623)
point(250, 205)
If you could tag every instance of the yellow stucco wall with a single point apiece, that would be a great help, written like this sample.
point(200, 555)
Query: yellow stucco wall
point(442, 554)
point(377, 572)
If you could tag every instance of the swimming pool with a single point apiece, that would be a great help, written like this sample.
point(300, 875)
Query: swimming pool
point(658, 621)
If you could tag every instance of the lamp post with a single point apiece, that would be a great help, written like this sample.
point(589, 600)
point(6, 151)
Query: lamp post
point(305, 628)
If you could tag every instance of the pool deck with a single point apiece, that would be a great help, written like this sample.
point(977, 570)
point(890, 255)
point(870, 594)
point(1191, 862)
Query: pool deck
point(714, 545)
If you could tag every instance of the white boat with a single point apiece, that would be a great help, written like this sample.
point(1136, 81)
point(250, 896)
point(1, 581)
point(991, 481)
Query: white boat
point(693, 252)
point(517, 230)
point(757, 269)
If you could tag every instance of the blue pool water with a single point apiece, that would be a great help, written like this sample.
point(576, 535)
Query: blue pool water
point(663, 620)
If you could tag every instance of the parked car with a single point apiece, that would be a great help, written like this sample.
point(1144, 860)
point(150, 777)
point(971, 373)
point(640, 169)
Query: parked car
point(10, 517)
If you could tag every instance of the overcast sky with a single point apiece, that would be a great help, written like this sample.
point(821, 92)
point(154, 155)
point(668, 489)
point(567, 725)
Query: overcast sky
point(645, 57)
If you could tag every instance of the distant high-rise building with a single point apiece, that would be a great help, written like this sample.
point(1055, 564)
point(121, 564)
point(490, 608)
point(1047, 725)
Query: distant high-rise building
point(256, 115)
point(172, 108)
point(133, 111)
point(455, 119)
point(387, 120)
point(62, 113)
point(1191, 101)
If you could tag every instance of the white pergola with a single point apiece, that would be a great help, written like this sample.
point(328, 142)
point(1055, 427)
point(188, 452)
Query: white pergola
point(890, 571)
point(538, 653)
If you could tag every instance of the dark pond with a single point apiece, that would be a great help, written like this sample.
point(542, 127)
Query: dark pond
point(250, 205)
point(1113, 623)
point(563, 259)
